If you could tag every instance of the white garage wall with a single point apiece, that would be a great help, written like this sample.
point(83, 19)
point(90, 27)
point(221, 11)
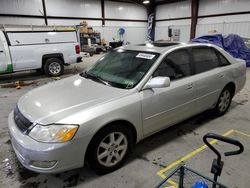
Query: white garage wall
point(236, 24)
point(120, 10)
point(208, 7)
point(73, 22)
point(23, 7)
point(74, 8)
point(134, 34)
point(81, 8)
point(161, 29)
point(113, 10)
point(169, 11)
point(21, 21)
point(240, 28)
point(173, 10)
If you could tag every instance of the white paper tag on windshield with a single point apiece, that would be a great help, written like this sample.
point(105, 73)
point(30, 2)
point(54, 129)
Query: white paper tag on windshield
point(145, 56)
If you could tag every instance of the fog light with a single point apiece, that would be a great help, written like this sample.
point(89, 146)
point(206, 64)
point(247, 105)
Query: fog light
point(43, 164)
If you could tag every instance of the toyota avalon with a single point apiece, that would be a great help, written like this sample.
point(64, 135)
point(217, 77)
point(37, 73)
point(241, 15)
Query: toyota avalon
point(132, 92)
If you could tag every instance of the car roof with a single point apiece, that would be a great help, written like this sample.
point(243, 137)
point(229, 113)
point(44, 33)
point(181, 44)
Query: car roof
point(161, 46)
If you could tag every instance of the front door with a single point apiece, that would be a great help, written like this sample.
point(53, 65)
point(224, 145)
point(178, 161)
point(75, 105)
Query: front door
point(162, 107)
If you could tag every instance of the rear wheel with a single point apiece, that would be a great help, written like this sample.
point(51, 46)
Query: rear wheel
point(53, 67)
point(224, 101)
point(109, 148)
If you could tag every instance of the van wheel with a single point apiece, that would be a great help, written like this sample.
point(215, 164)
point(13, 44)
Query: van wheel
point(109, 148)
point(224, 101)
point(53, 67)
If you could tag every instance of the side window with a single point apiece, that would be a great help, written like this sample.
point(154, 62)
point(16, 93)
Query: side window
point(176, 65)
point(223, 60)
point(205, 59)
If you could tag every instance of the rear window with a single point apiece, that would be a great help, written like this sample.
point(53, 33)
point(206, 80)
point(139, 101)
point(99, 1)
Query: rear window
point(205, 59)
point(223, 60)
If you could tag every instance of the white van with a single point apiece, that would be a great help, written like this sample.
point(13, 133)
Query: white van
point(47, 51)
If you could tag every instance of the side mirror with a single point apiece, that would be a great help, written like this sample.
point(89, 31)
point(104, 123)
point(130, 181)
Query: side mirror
point(158, 82)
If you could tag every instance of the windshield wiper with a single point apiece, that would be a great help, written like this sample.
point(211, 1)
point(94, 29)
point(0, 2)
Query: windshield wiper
point(105, 82)
point(83, 74)
point(94, 77)
point(86, 75)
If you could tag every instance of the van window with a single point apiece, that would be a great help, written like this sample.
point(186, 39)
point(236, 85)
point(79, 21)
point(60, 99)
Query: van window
point(205, 59)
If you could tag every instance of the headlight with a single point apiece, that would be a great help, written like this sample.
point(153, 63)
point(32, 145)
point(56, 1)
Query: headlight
point(53, 133)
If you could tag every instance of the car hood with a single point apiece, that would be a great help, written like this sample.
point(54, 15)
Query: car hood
point(54, 101)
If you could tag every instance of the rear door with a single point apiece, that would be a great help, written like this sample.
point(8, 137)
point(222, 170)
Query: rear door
point(209, 76)
point(5, 63)
point(162, 107)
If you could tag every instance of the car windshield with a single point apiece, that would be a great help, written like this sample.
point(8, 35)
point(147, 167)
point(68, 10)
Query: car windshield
point(121, 68)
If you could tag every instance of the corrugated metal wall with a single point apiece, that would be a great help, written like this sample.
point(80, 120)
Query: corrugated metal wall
point(80, 8)
point(239, 24)
point(236, 24)
point(169, 11)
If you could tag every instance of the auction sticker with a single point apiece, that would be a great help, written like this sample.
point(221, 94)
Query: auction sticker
point(145, 56)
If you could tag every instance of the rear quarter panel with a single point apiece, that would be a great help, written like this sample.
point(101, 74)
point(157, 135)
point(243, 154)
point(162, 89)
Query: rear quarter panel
point(30, 56)
point(238, 74)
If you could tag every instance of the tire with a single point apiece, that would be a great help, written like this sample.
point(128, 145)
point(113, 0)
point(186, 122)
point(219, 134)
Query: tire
point(224, 101)
point(103, 154)
point(40, 70)
point(53, 67)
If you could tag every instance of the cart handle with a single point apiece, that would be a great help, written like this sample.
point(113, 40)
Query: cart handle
point(223, 139)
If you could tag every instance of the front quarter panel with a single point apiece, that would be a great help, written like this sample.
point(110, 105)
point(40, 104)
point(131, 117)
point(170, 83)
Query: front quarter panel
point(126, 108)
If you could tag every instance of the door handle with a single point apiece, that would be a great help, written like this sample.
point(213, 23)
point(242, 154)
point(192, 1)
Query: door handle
point(1, 51)
point(190, 86)
point(221, 75)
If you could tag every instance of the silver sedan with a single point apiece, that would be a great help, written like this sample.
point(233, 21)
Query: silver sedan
point(130, 93)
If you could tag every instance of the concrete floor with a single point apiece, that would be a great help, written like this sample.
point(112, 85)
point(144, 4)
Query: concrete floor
point(149, 156)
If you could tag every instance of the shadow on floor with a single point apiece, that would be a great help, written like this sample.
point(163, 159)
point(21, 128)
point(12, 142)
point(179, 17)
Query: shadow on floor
point(34, 75)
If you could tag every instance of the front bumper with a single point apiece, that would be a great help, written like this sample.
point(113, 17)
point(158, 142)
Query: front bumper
point(68, 155)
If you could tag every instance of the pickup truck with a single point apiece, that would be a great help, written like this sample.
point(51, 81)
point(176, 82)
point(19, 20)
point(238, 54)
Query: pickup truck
point(47, 51)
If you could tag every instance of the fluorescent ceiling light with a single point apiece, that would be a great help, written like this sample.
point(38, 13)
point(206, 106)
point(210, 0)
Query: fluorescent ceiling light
point(146, 2)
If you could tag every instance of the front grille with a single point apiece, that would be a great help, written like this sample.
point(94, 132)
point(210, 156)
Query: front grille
point(22, 122)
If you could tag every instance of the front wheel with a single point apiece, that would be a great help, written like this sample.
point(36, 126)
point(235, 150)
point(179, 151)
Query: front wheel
point(109, 148)
point(224, 101)
point(53, 67)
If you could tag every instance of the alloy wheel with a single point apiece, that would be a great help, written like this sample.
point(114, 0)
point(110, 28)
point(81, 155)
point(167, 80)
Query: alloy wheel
point(224, 101)
point(112, 149)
